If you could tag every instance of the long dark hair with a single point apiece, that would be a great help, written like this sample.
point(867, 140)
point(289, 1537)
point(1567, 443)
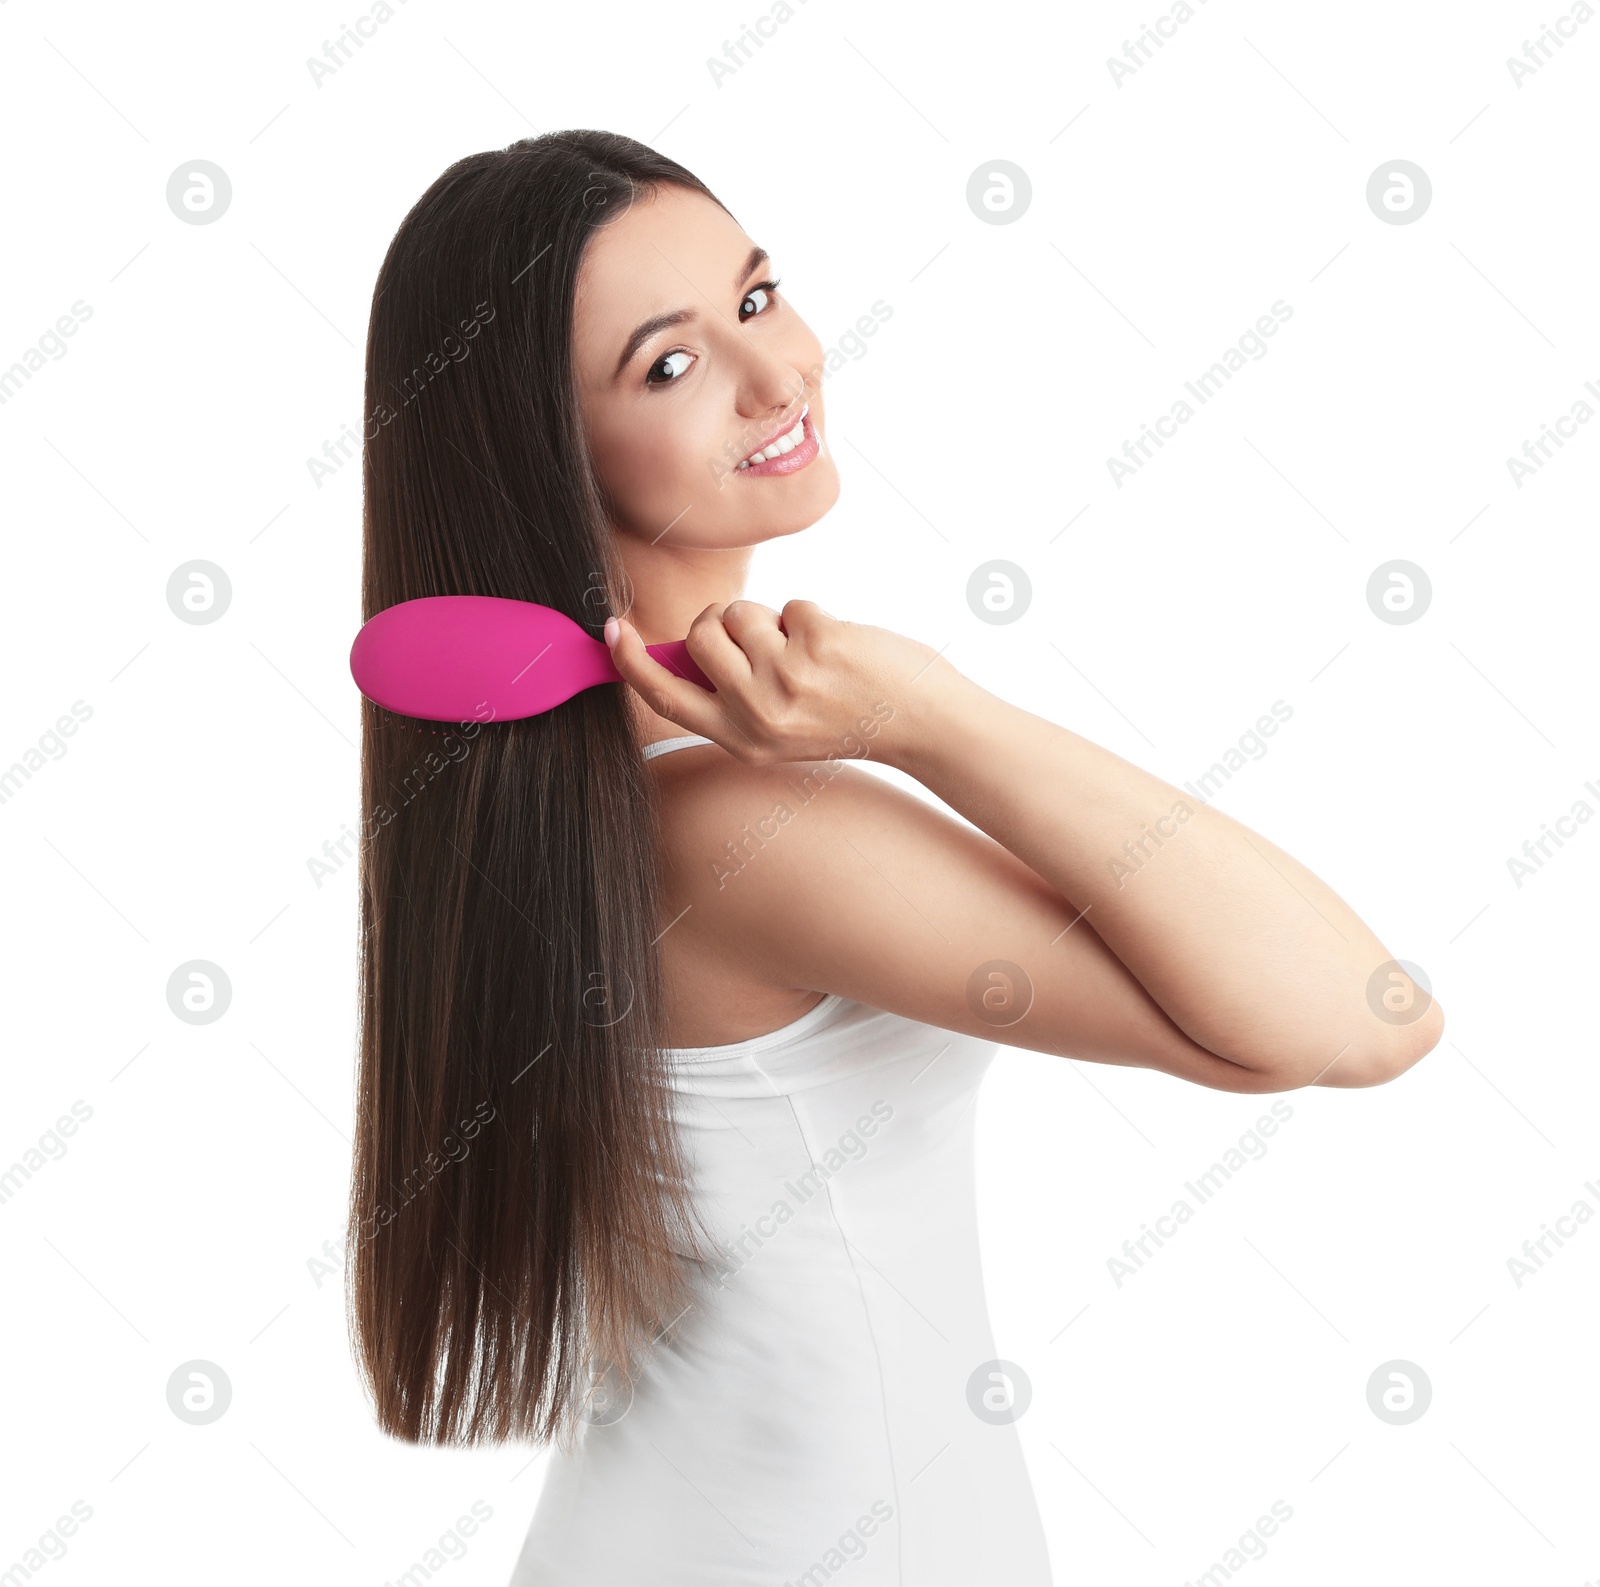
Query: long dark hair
point(519, 1208)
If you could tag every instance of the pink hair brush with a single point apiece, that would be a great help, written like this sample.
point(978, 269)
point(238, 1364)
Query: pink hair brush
point(463, 658)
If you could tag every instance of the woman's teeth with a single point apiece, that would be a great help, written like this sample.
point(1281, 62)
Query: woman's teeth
point(784, 443)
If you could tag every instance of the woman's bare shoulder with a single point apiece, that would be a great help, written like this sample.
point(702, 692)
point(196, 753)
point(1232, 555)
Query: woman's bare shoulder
point(826, 875)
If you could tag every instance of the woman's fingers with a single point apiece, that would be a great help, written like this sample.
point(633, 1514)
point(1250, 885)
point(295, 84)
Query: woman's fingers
point(668, 695)
point(756, 630)
point(749, 652)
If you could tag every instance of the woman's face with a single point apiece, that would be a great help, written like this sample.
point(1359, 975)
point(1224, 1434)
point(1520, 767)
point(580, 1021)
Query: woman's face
point(689, 364)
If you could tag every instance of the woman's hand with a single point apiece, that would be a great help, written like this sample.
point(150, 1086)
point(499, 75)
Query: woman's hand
point(797, 686)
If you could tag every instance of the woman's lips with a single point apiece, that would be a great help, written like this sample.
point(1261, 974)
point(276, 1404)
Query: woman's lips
point(795, 458)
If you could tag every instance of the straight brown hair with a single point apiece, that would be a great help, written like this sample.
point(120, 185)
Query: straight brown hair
point(520, 1214)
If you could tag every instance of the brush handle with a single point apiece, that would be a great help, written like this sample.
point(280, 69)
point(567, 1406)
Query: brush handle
point(674, 656)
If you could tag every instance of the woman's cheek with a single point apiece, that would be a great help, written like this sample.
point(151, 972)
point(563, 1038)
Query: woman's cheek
point(632, 472)
point(658, 470)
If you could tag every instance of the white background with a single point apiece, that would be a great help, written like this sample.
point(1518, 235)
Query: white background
point(1168, 614)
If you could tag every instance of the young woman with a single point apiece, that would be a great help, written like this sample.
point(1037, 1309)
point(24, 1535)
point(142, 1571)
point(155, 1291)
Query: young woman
point(672, 1021)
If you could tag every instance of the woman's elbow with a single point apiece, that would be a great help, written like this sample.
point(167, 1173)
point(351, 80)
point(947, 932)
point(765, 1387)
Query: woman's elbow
point(1384, 1056)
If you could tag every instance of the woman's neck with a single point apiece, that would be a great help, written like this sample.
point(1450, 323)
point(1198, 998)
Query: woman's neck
point(671, 585)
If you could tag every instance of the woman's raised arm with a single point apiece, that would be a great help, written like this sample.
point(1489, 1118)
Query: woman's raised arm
point(1137, 925)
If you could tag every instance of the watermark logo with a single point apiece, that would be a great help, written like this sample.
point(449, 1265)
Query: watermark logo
point(999, 592)
point(999, 992)
point(999, 1392)
point(999, 192)
point(1399, 192)
point(1398, 992)
point(598, 1006)
point(199, 992)
point(1398, 592)
point(199, 192)
point(199, 1392)
point(1399, 1392)
point(609, 1398)
point(198, 592)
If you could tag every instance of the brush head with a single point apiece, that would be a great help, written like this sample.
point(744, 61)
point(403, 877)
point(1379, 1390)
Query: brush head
point(484, 658)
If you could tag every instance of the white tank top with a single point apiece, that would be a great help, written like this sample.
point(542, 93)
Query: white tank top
point(833, 1399)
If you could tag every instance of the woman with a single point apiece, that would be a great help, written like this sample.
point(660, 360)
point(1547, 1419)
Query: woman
point(672, 1021)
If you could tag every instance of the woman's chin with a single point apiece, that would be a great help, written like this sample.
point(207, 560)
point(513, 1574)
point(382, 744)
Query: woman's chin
point(783, 527)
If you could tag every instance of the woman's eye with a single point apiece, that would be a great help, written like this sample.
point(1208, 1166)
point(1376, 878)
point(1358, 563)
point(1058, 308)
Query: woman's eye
point(763, 295)
point(674, 364)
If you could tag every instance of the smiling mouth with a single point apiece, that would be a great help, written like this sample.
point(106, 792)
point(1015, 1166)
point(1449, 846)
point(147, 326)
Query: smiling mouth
point(785, 453)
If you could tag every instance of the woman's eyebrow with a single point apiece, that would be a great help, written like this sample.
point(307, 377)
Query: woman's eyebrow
point(645, 330)
point(661, 322)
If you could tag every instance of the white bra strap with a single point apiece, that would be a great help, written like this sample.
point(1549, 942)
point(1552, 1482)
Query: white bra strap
point(663, 745)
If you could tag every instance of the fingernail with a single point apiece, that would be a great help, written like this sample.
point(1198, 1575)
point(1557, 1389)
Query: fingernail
point(613, 628)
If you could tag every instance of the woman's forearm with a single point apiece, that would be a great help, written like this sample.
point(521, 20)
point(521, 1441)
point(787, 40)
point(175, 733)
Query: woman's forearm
point(1251, 955)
